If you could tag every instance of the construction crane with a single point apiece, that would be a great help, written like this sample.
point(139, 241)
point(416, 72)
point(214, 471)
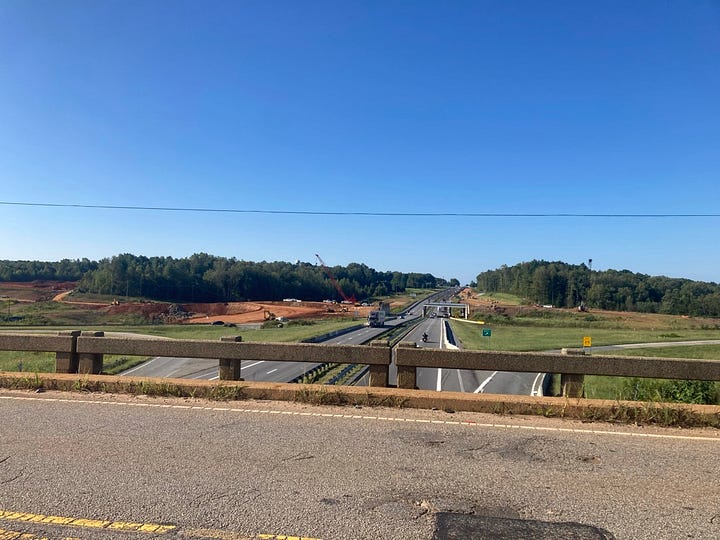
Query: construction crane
point(350, 299)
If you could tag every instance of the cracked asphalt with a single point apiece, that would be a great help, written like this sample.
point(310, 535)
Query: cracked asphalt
point(256, 469)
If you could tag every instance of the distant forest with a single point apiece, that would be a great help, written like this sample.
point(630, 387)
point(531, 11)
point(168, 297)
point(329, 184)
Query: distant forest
point(566, 285)
point(207, 278)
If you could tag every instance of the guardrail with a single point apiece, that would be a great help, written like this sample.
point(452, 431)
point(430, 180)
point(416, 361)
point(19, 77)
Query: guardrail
point(83, 352)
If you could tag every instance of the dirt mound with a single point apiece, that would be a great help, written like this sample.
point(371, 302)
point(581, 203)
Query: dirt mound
point(254, 312)
point(199, 313)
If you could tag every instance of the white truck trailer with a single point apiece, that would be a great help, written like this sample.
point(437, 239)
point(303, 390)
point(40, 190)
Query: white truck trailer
point(376, 318)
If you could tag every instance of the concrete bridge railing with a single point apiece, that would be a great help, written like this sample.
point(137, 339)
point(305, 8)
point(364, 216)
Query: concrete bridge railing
point(83, 352)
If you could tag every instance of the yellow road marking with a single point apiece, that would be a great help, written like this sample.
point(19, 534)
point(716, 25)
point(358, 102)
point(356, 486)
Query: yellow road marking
point(153, 528)
point(14, 535)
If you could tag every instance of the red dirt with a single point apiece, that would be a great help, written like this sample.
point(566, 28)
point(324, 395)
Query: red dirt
point(253, 312)
point(34, 291)
point(193, 313)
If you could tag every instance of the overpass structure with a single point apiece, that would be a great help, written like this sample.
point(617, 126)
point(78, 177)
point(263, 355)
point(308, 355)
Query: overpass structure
point(83, 353)
point(446, 308)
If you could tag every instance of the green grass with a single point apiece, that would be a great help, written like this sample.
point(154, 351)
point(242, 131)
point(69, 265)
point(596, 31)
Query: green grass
point(538, 338)
point(32, 362)
point(600, 387)
point(701, 352)
point(532, 338)
point(503, 298)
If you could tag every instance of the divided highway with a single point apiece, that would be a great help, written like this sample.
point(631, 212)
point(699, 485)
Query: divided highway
point(462, 380)
point(429, 379)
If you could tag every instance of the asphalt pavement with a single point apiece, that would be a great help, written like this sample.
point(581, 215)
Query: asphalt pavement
point(101, 466)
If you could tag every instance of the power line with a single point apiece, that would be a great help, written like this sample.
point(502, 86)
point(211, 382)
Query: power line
point(347, 213)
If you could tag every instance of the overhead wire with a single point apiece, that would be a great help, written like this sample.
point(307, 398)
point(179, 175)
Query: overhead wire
point(362, 213)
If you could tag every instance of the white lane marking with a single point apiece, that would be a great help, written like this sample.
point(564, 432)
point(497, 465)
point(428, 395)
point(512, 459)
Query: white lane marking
point(251, 365)
point(145, 364)
point(439, 380)
point(470, 423)
point(536, 389)
point(460, 381)
point(215, 378)
point(271, 371)
point(480, 389)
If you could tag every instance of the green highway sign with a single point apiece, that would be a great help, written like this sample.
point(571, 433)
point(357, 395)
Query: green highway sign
point(487, 332)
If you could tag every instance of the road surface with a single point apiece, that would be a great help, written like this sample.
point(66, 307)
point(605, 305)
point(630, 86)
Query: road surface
point(244, 469)
point(194, 368)
point(460, 380)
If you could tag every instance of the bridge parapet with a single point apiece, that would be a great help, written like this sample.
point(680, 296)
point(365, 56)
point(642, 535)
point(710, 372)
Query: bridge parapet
point(83, 352)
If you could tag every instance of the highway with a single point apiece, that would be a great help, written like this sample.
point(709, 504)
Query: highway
point(430, 379)
point(252, 370)
point(460, 380)
point(194, 368)
point(98, 466)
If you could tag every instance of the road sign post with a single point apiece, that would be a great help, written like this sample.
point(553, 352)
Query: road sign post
point(487, 332)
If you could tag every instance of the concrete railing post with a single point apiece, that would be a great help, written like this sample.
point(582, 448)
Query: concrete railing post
point(229, 367)
point(90, 363)
point(67, 362)
point(407, 375)
point(573, 385)
point(379, 374)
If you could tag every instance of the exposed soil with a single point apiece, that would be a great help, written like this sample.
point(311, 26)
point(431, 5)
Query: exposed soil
point(191, 313)
point(480, 303)
point(34, 291)
point(249, 312)
point(258, 312)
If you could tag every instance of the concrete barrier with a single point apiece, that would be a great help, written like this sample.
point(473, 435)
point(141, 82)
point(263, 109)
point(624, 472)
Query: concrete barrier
point(83, 352)
point(231, 352)
point(90, 363)
point(409, 357)
point(62, 344)
point(572, 384)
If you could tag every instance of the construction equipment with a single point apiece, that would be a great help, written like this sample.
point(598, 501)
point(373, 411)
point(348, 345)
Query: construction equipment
point(349, 299)
point(269, 315)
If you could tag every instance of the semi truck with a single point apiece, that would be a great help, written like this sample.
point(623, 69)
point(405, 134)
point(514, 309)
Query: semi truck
point(376, 318)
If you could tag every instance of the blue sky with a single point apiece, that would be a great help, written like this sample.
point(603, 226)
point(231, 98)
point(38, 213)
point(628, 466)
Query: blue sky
point(402, 107)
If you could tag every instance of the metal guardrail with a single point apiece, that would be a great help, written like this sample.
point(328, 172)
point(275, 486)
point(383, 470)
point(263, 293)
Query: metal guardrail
point(82, 352)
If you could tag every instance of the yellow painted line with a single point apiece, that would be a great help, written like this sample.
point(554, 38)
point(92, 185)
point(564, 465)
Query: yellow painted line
point(14, 535)
point(153, 528)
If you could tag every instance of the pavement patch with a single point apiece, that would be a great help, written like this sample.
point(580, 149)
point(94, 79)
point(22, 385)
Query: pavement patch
point(463, 526)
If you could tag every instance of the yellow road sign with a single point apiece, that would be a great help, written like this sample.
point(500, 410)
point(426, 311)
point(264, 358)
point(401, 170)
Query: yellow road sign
point(587, 341)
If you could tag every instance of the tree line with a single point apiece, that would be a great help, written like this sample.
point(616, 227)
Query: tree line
point(207, 278)
point(64, 270)
point(566, 285)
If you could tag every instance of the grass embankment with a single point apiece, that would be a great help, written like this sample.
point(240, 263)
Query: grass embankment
point(294, 332)
point(539, 338)
point(513, 337)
